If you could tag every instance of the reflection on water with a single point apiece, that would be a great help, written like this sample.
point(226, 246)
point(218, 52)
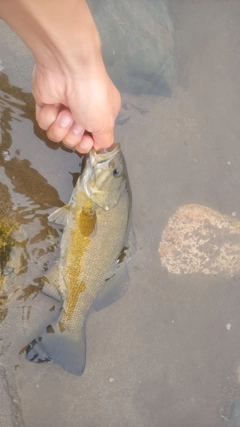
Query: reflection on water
point(26, 197)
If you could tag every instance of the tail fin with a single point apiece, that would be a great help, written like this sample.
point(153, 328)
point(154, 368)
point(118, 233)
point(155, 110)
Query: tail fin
point(59, 347)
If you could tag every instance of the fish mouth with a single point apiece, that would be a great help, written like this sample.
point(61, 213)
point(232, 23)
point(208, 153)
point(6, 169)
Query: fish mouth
point(105, 154)
point(97, 160)
point(110, 149)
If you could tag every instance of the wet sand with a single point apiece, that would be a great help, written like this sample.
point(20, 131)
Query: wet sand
point(168, 353)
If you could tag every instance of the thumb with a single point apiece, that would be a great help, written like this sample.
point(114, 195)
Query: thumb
point(103, 139)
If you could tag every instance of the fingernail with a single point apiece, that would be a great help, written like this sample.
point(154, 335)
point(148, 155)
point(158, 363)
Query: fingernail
point(65, 121)
point(77, 129)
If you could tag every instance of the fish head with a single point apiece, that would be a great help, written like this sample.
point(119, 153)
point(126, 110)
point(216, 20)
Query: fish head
point(104, 177)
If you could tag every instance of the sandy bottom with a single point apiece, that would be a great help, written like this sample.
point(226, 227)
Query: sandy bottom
point(168, 352)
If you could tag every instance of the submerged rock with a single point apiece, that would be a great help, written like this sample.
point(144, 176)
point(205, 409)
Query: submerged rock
point(200, 239)
point(137, 44)
point(234, 418)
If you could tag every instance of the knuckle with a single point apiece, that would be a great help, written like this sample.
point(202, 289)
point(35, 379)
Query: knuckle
point(42, 124)
point(54, 137)
point(46, 116)
point(43, 121)
point(69, 142)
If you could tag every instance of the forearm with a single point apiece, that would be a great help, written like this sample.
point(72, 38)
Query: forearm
point(71, 87)
point(60, 33)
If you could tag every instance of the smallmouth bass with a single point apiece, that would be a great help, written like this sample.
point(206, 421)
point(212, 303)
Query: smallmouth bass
point(90, 272)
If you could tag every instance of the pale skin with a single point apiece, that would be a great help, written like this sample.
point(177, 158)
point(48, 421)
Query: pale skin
point(71, 87)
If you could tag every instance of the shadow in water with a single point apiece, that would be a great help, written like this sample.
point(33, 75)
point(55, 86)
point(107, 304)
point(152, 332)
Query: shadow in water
point(11, 98)
point(25, 199)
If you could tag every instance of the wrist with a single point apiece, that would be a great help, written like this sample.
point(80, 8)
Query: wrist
point(71, 56)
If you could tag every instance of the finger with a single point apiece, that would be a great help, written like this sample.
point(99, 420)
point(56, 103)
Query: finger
point(103, 139)
point(61, 127)
point(74, 135)
point(46, 115)
point(85, 145)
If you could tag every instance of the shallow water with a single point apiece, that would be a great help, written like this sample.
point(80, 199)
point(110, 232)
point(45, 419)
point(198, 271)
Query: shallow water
point(168, 353)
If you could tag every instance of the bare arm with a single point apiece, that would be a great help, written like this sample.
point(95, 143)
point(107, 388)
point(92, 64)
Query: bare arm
point(71, 87)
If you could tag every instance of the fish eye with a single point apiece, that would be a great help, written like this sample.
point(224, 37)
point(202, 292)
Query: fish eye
point(116, 173)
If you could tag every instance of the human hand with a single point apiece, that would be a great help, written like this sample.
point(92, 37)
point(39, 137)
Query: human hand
point(71, 87)
point(69, 104)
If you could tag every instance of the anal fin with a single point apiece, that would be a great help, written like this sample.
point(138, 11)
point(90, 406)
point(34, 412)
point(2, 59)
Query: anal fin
point(113, 289)
point(116, 283)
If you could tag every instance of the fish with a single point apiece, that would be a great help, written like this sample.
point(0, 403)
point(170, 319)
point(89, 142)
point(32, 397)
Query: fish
point(97, 242)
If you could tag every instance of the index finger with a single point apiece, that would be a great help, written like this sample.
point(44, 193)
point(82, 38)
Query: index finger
point(103, 139)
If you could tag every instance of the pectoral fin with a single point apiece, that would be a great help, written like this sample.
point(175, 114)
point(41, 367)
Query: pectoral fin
point(60, 216)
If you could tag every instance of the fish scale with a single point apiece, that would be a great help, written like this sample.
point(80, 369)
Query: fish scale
point(92, 272)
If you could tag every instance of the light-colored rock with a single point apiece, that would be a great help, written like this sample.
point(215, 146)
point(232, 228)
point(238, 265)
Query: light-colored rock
point(200, 239)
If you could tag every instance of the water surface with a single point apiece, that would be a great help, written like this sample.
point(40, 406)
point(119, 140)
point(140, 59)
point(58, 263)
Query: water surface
point(163, 355)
